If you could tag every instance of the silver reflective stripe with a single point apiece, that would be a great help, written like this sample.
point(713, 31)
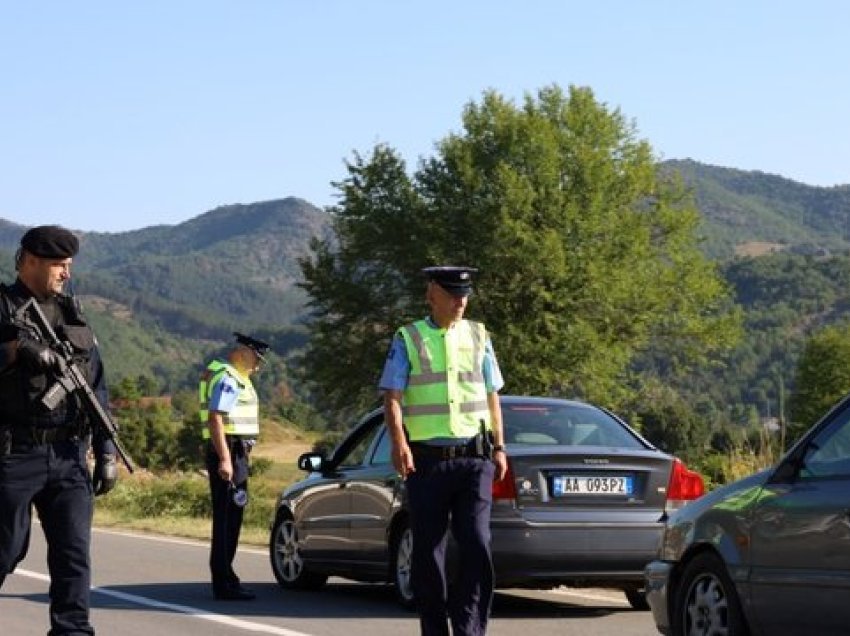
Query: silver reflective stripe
point(477, 345)
point(426, 409)
point(471, 376)
point(419, 343)
point(426, 378)
point(471, 407)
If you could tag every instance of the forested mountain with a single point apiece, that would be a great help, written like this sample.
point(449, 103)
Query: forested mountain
point(749, 212)
point(233, 267)
point(785, 298)
point(165, 297)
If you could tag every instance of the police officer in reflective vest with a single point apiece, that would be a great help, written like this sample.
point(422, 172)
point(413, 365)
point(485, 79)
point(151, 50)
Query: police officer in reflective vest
point(230, 410)
point(440, 384)
point(43, 451)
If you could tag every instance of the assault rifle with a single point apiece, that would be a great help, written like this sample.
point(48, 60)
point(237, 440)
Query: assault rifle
point(71, 380)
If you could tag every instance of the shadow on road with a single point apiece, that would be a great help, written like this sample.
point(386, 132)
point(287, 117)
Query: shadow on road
point(336, 600)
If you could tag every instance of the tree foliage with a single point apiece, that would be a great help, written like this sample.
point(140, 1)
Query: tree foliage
point(587, 254)
point(672, 423)
point(823, 376)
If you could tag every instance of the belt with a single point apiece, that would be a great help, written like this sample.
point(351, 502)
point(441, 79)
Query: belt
point(251, 439)
point(241, 445)
point(42, 436)
point(445, 452)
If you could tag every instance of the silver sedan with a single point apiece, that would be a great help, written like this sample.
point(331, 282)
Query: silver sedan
point(583, 504)
point(766, 555)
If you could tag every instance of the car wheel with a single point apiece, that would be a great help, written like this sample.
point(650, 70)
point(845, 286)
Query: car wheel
point(288, 566)
point(706, 600)
point(400, 565)
point(637, 598)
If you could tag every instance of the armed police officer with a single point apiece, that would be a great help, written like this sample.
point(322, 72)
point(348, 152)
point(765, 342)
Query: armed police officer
point(440, 384)
point(230, 410)
point(43, 451)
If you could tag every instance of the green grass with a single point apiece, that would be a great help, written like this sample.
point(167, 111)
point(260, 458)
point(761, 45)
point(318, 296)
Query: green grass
point(178, 504)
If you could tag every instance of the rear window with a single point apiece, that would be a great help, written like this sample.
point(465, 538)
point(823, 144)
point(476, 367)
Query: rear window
point(564, 424)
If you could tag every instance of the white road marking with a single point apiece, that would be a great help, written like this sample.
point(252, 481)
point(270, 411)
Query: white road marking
point(591, 596)
point(567, 591)
point(194, 612)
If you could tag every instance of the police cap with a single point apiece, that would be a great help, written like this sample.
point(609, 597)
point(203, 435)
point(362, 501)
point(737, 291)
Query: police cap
point(257, 346)
point(455, 280)
point(50, 241)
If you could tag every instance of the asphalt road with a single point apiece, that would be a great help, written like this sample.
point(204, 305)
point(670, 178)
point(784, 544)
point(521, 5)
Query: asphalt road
point(147, 585)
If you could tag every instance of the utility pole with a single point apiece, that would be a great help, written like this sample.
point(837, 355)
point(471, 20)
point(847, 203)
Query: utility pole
point(781, 414)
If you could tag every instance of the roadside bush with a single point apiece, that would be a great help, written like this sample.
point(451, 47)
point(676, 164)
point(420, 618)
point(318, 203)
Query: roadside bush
point(260, 466)
point(721, 468)
point(184, 496)
point(164, 496)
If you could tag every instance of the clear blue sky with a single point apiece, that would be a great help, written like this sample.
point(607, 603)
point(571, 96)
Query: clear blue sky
point(120, 115)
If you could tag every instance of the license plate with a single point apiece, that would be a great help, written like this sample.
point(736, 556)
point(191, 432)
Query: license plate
point(595, 485)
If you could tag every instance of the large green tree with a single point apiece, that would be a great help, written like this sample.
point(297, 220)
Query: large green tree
point(587, 254)
point(823, 376)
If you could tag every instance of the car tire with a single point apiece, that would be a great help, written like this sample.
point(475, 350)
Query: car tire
point(288, 566)
point(636, 596)
point(707, 601)
point(400, 565)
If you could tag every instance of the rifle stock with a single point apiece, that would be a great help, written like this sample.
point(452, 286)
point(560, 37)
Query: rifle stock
point(72, 380)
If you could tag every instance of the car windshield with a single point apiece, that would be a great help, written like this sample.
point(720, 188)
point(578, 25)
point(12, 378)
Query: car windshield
point(566, 424)
point(828, 452)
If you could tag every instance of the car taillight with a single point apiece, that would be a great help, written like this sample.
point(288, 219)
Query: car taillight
point(685, 485)
point(505, 488)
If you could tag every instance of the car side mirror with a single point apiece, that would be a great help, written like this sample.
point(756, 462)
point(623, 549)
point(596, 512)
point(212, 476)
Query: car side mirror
point(311, 462)
point(792, 467)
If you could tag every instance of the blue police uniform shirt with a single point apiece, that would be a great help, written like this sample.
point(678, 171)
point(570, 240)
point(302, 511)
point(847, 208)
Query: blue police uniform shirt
point(397, 367)
point(224, 394)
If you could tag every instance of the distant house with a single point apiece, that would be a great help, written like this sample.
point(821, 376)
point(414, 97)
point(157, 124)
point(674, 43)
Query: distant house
point(771, 424)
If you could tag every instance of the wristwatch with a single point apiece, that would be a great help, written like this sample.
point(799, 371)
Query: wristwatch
point(498, 447)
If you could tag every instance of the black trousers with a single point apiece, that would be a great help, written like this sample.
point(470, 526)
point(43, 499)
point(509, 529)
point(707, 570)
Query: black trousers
point(226, 515)
point(457, 493)
point(54, 479)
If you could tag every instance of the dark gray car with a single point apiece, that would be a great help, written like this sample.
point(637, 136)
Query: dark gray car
point(583, 504)
point(769, 554)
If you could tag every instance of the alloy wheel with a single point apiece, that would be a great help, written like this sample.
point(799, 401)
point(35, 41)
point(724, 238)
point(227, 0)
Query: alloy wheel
point(706, 607)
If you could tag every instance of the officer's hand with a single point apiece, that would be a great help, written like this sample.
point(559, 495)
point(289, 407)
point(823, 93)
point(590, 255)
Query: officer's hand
point(38, 356)
point(225, 469)
point(403, 460)
point(105, 474)
point(500, 459)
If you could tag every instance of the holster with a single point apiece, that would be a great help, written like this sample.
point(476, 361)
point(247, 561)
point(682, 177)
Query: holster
point(484, 442)
point(240, 457)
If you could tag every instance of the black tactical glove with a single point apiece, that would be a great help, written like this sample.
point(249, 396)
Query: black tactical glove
point(38, 356)
point(105, 474)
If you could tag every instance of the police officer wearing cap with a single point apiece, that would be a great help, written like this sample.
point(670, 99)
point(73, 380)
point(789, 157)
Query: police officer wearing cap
point(440, 384)
point(43, 452)
point(230, 410)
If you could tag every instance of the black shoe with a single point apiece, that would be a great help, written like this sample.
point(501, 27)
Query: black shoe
point(234, 594)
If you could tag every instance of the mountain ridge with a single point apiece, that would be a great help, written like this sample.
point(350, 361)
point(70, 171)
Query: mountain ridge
point(186, 287)
point(740, 206)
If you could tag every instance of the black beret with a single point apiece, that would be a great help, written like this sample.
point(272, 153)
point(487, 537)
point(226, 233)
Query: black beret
point(455, 280)
point(257, 346)
point(50, 241)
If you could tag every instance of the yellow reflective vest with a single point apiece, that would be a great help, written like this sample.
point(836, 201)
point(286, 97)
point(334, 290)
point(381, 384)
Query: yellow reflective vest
point(244, 418)
point(445, 394)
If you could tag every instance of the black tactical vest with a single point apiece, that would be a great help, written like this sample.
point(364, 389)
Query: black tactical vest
point(20, 388)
